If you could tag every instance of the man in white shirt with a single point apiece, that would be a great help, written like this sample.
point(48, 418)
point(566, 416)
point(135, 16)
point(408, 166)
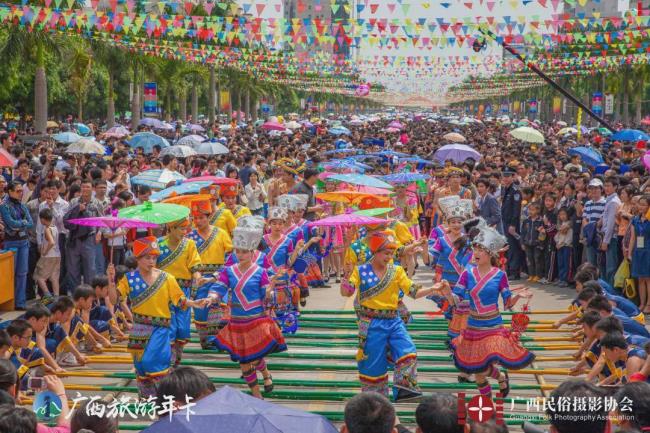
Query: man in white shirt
point(607, 225)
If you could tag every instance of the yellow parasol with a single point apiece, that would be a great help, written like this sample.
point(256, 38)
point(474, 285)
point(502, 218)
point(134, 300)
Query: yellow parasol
point(187, 200)
point(347, 197)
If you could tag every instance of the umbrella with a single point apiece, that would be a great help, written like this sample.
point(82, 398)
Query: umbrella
point(273, 126)
point(191, 140)
point(567, 131)
point(458, 153)
point(230, 410)
point(196, 128)
point(183, 188)
point(630, 135)
point(391, 130)
point(346, 220)
point(373, 190)
point(588, 155)
point(117, 132)
point(646, 160)
point(165, 126)
point(293, 125)
point(187, 200)
point(307, 124)
point(51, 124)
point(396, 124)
point(7, 159)
point(528, 134)
point(390, 154)
point(113, 223)
point(356, 122)
point(86, 145)
point(157, 178)
point(346, 164)
point(402, 178)
point(179, 151)
point(147, 140)
point(454, 137)
point(82, 129)
point(213, 180)
point(417, 160)
point(66, 137)
point(360, 179)
point(604, 131)
point(211, 148)
point(151, 122)
point(561, 123)
point(339, 130)
point(335, 151)
point(156, 213)
point(349, 197)
point(374, 212)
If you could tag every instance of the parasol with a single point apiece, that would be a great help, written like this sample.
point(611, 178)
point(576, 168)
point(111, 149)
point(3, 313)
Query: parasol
point(564, 131)
point(178, 151)
point(157, 178)
point(630, 135)
point(346, 220)
point(402, 178)
point(374, 212)
point(339, 130)
point(191, 140)
point(117, 131)
point(66, 137)
point(348, 197)
point(360, 179)
point(7, 159)
point(112, 223)
point(186, 200)
point(86, 145)
point(157, 213)
point(151, 122)
point(528, 134)
point(458, 153)
point(396, 124)
point(213, 180)
point(184, 188)
point(147, 140)
point(273, 126)
point(211, 148)
point(588, 155)
point(455, 137)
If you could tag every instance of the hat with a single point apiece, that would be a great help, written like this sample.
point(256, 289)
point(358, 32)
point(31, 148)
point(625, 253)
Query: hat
point(382, 240)
point(492, 141)
point(145, 246)
point(298, 202)
point(228, 190)
point(452, 206)
point(453, 171)
point(248, 233)
point(490, 239)
point(285, 201)
point(508, 171)
point(289, 165)
point(201, 208)
point(596, 182)
point(278, 213)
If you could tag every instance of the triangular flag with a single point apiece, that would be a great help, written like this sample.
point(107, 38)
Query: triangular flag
point(260, 8)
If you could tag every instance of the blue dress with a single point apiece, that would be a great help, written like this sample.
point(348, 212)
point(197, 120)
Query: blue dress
point(641, 256)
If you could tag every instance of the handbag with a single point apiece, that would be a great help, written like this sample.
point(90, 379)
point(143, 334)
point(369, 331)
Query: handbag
point(622, 274)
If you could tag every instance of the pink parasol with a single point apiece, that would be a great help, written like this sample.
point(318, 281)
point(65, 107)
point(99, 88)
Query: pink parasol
point(374, 190)
point(6, 159)
point(324, 175)
point(214, 179)
point(347, 220)
point(646, 160)
point(113, 223)
point(273, 126)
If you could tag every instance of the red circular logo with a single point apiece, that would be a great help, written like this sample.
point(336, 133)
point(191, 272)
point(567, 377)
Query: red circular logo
point(480, 408)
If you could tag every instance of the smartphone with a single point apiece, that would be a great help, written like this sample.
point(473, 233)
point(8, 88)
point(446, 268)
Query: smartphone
point(35, 383)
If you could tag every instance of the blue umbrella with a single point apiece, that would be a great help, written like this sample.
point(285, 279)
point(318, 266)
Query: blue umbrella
point(629, 135)
point(401, 178)
point(417, 160)
point(151, 122)
point(334, 151)
point(157, 178)
point(229, 410)
point(183, 188)
point(339, 130)
point(147, 141)
point(82, 129)
point(360, 179)
point(342, 164)
point(390, 154)
point(341, 144)
point(588, 155)
point(67, 137)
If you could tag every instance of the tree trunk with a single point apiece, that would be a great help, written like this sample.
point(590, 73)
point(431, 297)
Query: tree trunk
point(135, 102)
point(168, 106)
point(230, 105)
point(218, 102)
point(637, 107)
point(110, 109)
point(211, 95)
point(248, 105)
point(182, 105)
point(195, 103)
point(80, 109)
point(626, 97)
point(40, 100)
point(239, 105)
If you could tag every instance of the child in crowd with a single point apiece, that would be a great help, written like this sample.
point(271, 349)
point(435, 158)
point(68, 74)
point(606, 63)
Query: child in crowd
point(530, 238)
point(564, 244)
point(49, 264)
point(547, 237)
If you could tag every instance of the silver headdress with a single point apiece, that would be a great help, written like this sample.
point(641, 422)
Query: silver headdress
point(453, 206)
point(278, 213)
point(285, 201)
point(298, 202)
point(490, 239)
point(248, 233)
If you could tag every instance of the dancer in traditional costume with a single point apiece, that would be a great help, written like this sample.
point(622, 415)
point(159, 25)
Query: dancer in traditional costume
point(378, 284)
point(151, 292)
point(179, 257)
point(213, 244)
point(449, 255)
point(281, 253)
point(484, 343)
point(229, 201)
point(250, 333)
point(333, 238)
point(221, 216)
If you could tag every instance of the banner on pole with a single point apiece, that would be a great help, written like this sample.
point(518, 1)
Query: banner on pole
point(597, 103)
point(150, 99)
point(532, 106)
point(224, 101)
point(515, 106)
point(609, 103)
point(557, 105)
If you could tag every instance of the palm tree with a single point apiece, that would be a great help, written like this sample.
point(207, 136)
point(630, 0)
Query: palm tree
point(34, 47)
point(112, 59)
point(80, 66)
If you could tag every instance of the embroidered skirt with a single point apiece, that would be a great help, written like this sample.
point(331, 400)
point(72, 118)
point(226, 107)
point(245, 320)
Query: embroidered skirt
point(248, 340)
point(459, 317)
point(476, 349)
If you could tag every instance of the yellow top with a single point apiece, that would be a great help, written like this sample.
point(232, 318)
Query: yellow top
point(151, 300)
point(225, 219)
point(181, 261)
point(219, 243)
point(402, 232)
point(380, 293)
point(240, 210)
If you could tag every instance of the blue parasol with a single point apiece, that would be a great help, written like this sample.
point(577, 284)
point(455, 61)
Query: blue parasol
point(183, 188)
point(588, 155)
point(402, 178)
point(629, 135)
point(157, 178)
point(360, 179)
point(147, 140)
point(339, 130)
point(67, 137)
point(417, 160)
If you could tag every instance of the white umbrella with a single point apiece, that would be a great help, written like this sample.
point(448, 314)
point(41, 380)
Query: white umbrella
point(179, 151)
point(528, 134)
point(86, 145)
point(211, 148)
point(293, 125)
point(455, 137)
point(191, 140)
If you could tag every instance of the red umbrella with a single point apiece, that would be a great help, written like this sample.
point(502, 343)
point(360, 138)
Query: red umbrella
point(273, 126)
point(6, 159)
